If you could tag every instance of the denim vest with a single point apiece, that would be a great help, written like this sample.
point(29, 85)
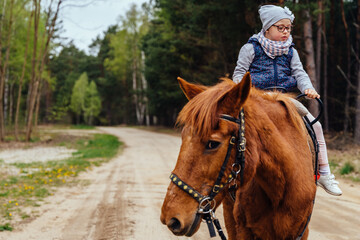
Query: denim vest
point(267, 72)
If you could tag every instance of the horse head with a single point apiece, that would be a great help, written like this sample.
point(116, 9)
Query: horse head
point(205, 143)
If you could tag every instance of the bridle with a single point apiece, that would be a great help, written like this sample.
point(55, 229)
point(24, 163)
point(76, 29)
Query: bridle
point(207, 203)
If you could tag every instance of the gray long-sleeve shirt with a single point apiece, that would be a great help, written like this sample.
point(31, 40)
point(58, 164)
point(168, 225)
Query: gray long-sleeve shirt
point(247, 54)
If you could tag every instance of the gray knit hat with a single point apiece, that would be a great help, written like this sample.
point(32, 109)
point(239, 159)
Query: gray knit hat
point(270, 14)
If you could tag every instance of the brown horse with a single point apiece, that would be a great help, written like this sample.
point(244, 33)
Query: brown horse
point(275, 198)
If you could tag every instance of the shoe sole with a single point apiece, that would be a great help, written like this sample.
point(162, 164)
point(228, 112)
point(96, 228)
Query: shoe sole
point(329, 192)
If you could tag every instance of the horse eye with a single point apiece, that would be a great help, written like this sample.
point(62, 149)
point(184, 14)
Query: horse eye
point(212, 145)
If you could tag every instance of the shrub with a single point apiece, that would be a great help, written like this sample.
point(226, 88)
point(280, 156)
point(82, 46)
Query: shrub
point(347, 168)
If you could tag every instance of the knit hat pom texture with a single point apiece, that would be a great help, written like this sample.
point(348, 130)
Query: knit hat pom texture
point(270, 14)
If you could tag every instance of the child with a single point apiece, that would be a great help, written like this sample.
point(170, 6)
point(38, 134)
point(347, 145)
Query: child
point(272, 61)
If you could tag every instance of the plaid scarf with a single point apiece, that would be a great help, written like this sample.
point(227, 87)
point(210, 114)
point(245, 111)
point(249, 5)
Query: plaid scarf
point(274, 48)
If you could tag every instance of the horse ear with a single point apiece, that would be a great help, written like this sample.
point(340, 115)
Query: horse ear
point(190, 90)
point(236, 96)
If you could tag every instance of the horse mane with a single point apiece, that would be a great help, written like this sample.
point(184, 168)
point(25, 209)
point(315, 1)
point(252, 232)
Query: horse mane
point(202, 112)
point(285, 100)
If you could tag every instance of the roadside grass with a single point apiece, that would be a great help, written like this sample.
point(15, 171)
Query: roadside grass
point(21, 138)
point(81, 126)
point(347, 168)
point(344, 158)
point(37, 180)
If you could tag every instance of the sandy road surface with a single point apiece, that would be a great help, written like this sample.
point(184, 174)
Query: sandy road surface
point(122, 199)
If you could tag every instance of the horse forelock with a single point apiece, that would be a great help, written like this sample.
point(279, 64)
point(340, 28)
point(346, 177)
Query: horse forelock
point(201, 113)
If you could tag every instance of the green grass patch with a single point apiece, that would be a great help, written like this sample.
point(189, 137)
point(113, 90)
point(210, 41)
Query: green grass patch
point(102, 146)
point(347, 168)
point(333, 165)
point(38, 180)
point(355, 179)
point(80, 126)
point(33, 139)
point(5, 227)
point(4, 194)
point(13, 180)
point(41, 192)
point(25, 216)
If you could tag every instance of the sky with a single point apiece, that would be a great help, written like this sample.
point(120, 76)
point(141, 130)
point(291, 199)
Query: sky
point(83, 24)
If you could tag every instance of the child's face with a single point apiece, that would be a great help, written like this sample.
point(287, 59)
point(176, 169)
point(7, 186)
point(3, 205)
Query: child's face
point(275, 35)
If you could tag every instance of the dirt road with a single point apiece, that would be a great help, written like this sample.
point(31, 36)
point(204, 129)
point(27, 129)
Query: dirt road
point(122, 199)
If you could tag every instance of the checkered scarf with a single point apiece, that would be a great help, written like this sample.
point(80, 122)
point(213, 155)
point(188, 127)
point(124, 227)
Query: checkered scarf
point(274, 48)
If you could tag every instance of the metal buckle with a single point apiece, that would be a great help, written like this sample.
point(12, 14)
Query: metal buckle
point(242, 145)
point(236, 166)
point(216, 188)
point(232, 140)
point(206, 205)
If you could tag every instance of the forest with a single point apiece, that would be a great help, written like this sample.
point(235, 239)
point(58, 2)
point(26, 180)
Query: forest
point(130, 75)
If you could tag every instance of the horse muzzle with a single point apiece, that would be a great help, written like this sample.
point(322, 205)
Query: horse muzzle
point(179, 227)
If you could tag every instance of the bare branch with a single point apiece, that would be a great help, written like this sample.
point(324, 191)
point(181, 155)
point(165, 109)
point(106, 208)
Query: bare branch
point(81, 5)
point(356, 56)
point(347, 79)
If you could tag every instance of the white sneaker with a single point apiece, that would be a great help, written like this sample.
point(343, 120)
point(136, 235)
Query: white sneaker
point(329, 184)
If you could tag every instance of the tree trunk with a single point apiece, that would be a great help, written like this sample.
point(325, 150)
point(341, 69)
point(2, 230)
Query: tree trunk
point(357, 49)
point(50, 27)
point(33, 82)
point(6, 97)
point(11, 103)
point(37, 104)
point(39, 71)
point(332, 51)
point(31, 111)
point(310, 58)
point(135, 89)
point(22, 78)
point(48, 99)
point(325, 77)
point(4, 69)
point(318, 43)
point(357, 113)
point(348, 56)
point(1, 79)
point(144, 84)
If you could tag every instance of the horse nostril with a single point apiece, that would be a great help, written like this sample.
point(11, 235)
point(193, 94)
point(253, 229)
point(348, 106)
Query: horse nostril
point(174, 225)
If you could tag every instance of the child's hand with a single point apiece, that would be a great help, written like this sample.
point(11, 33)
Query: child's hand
point(311, 93)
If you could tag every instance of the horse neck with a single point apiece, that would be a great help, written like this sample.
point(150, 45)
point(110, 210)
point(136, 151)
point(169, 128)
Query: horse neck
point(269, 161)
